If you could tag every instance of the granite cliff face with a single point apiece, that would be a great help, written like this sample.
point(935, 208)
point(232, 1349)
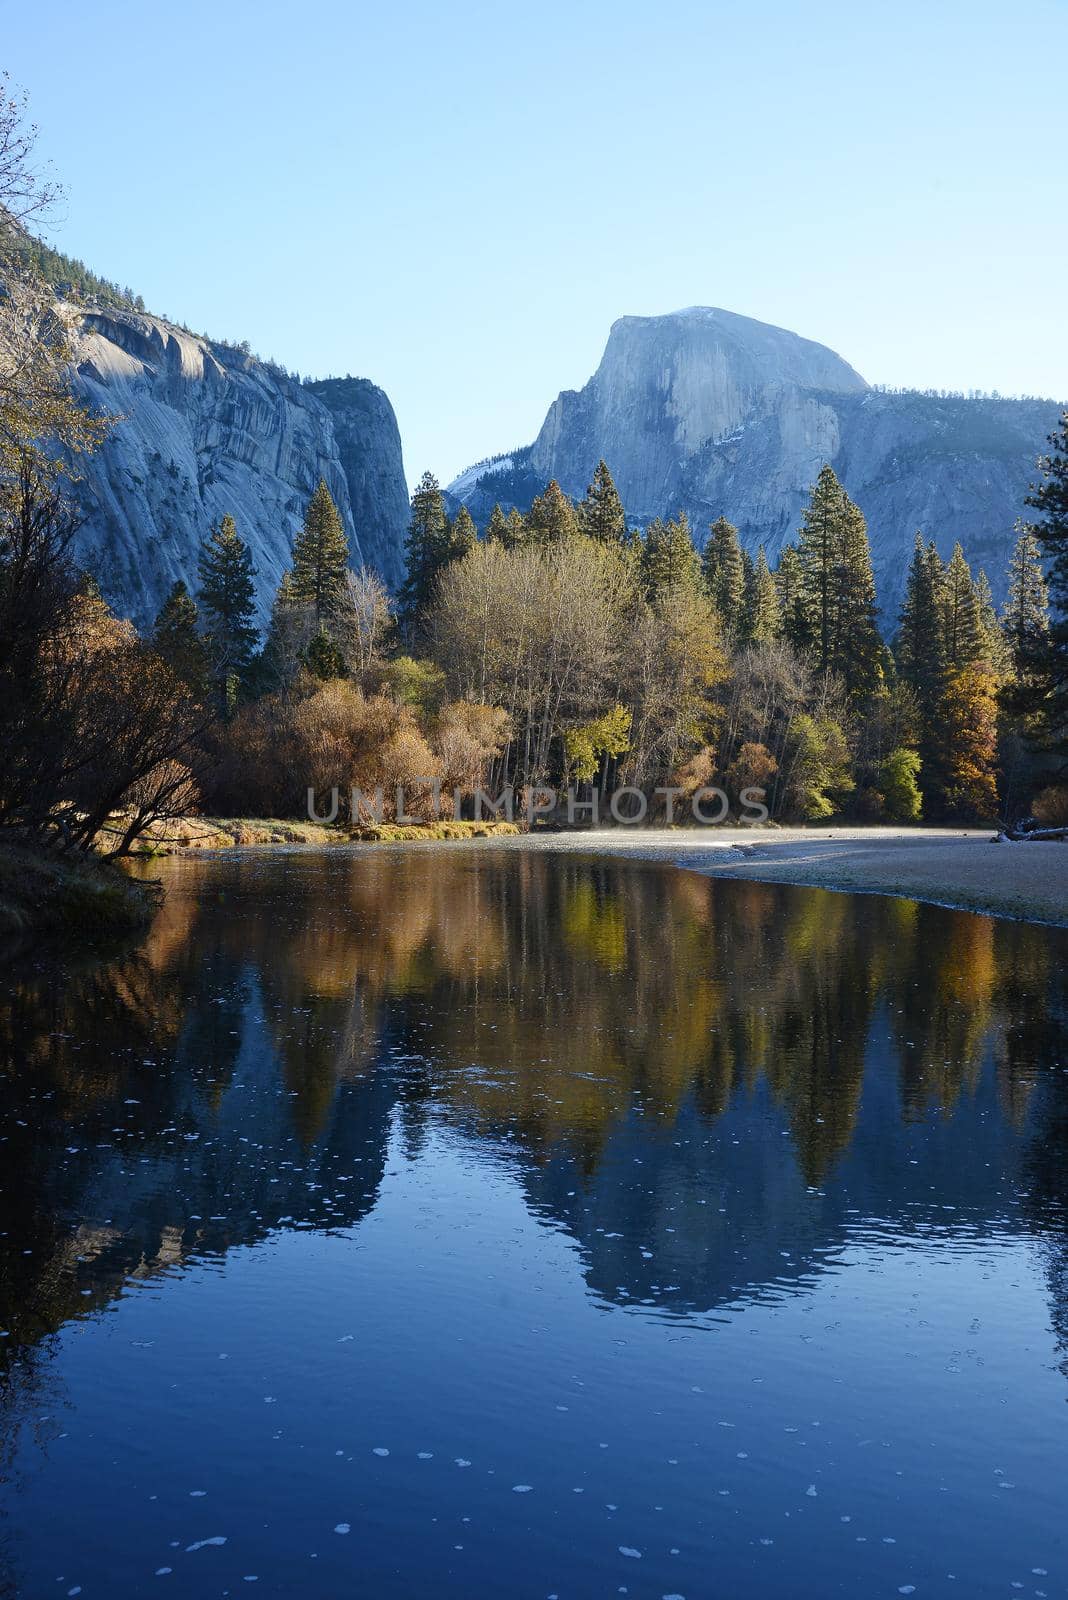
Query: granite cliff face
point(712, 413)
point(205, 430)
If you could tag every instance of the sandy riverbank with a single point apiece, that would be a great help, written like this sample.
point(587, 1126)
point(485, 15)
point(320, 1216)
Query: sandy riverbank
point(947, 867)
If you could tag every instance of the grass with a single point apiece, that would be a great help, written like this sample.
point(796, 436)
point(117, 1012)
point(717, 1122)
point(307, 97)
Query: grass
point(395, 833)
point(43, 893)
point(226, 833)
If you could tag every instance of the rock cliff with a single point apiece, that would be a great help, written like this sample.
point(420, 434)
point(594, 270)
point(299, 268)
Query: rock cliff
point(206, 429)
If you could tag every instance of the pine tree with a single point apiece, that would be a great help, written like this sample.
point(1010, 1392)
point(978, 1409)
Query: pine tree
point(601, 514)
point(463, 535)
point(227, 598)
point(515, 533)
point(789, 587)
point(552, 516)
point(920, 653)
point(175, 638)
point(960, 611)
point(426, 550)
point(857, 650)
point(323, 657)
point(1050, 498)
point(993, 645)
point(668, 558)
point(762, 604)
point(321, 556)
point(1026, 615)
point(289, 632)
point(819, 549)
point(725, 573)
point(497, 526)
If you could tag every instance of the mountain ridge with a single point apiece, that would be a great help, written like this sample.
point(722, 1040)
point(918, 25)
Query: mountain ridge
point(708, 412)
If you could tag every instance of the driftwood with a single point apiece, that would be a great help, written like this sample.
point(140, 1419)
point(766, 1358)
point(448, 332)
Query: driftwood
point(1017, 835)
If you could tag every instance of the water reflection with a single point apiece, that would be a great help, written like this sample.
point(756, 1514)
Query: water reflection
point(711, 1087)
point(549, 1225)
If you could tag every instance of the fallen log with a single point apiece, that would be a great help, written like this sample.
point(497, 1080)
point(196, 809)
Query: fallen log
point(1019, 835)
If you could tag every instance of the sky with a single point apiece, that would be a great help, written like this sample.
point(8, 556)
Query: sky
point(457, 200)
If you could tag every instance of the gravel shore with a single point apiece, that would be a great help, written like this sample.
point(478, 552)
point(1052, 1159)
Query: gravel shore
point(946, 867)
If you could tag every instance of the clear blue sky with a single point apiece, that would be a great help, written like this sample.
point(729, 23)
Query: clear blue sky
point(456, 200)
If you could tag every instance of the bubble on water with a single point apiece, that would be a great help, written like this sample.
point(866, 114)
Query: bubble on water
point(343, 1527)
point(629, 1550)
point(202, 1544)
point(426, 1455)
point(522, 1488)
point(161, 1572)
point(380, 1450)
point(460, 1462)
point(811, 1491)
point(197, 1494)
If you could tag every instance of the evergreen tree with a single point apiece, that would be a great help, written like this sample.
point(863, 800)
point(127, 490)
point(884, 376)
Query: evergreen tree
point(819, 549)
point(857, 650)
point(1050, 498)
point(601, 514)
point(497, 526)
point(960, 611)
point(321, 556)
point(323, 657)
point(227, 598)
point(725, 573)
point(789, 587)
point(668, 558)
point(762, 604)
point(426, 550)
point(552, 516)
point(993, 646)
point(921, 655)
point(175, 638)
point(1026, 617)
point(463, 535)
point(515, 529)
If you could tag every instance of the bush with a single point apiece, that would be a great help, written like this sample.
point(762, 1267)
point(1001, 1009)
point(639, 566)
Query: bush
point(1050, 808)
point(319, 736)
point(901, 792)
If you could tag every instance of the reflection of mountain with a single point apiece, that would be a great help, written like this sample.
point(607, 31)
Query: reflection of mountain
point(715, 1215)
point(712, 1086)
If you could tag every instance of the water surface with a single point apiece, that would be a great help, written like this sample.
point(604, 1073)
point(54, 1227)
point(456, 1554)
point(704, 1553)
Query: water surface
point(462, 1221)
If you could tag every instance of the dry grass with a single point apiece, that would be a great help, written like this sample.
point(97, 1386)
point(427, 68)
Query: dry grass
point(43, 893)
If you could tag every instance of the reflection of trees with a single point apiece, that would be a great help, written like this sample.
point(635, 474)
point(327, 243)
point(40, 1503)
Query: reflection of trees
point(566, 1008)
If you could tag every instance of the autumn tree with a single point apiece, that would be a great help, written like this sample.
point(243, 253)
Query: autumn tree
point(969, 723)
